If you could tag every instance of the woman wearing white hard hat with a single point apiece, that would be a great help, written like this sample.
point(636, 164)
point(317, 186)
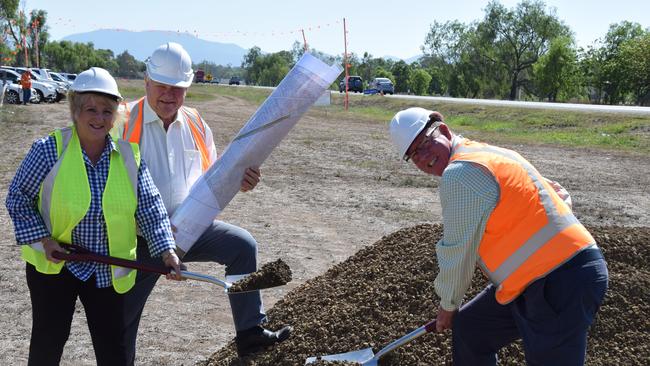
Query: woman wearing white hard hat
point(79, 186)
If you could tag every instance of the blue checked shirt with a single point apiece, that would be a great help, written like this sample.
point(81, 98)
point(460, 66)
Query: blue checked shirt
point(90, 233)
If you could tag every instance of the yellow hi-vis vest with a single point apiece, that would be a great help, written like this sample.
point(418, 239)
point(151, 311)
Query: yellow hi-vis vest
point(64, 200)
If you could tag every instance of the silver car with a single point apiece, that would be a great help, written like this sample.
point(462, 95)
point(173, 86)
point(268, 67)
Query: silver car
point(14, 94)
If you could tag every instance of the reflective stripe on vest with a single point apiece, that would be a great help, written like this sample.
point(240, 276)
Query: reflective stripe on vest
point(64, 200)
point(133, 129)
point(531, 231)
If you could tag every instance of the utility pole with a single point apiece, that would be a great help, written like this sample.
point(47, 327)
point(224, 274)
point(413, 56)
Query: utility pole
point(346, 100)
point(304, 40)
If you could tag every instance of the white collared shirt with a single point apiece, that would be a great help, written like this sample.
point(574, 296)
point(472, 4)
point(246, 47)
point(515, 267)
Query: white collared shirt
point(172, 158)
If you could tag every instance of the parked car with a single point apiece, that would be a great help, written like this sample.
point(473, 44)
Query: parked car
point(68, 76)
point(43, 75)
point(234, 80)
point(47, 90)
point(44, 91)
point(60, 78)
point(382, 86)
point(355, 84)
point(14, 94)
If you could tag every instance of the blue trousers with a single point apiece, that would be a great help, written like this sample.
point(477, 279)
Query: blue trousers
point(552, 317)
point(27, 95)
point(222, 243)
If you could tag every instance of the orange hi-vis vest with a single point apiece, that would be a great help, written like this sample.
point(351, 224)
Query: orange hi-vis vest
point(133, 129)
point(531, 231)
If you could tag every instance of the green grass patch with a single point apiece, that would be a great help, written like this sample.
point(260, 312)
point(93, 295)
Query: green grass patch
point(492, 124)
point(134, 89)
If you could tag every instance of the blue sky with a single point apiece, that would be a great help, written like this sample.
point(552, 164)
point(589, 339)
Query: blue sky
point(382, 28)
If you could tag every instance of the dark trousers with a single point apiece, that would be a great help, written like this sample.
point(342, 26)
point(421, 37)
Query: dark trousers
point(53, 304)
point(27, 95)
point(552, 317)
point(221, 243)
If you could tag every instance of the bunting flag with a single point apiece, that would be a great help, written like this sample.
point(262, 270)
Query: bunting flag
point(210, 35)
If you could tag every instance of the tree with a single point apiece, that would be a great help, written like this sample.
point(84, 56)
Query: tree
point(128, 66)
point(380, 72)
point(634, 60)
point(37, 35)
point(612, 77)
point(75, 57)
point(515, 39)
point(266, 70)
point(453, 58)
point(251, 65)
point(419, 82)
point(556, 72)
point(402, 73)
point(298, 49)
point(8, 9)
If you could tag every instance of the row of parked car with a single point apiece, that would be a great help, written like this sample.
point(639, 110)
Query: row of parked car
point(47, 86)
point(376, 86)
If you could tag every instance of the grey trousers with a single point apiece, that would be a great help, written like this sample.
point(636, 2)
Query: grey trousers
point(222, 243)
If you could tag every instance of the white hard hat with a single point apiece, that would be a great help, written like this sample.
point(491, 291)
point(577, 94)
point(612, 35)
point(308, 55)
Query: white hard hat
point(96, 80)
point(170, 64)
point(406, 125)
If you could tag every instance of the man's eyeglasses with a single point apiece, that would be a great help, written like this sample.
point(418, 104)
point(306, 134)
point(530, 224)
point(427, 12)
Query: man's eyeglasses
point(428, 136)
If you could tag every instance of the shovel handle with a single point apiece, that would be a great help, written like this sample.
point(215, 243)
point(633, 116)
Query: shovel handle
point(94, 257)
point(427, 328)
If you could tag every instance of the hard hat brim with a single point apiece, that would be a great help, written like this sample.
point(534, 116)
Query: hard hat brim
point(171, 82)
point(100, 91)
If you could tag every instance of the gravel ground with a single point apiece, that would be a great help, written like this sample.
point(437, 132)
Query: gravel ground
point(386, 290)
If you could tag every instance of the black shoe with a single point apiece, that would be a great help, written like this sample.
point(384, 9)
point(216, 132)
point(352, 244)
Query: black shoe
point(257, 338)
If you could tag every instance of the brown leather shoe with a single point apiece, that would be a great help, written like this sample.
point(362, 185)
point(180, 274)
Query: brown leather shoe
point(257, 338)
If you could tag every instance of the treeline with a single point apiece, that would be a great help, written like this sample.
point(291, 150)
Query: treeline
point(524, 53)
point(25, 42)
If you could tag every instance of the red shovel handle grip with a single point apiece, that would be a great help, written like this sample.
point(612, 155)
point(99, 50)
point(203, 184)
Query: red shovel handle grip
point(93, 257)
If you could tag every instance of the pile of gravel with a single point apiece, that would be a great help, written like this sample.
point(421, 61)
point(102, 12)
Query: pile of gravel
point(386, 290)
point(271, 274)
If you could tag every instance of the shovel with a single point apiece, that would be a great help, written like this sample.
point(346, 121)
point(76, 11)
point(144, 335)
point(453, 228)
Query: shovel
point(366, 357)
point(80, 254)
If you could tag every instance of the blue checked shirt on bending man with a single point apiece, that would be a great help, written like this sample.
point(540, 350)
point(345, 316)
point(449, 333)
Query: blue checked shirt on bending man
point(90, 233)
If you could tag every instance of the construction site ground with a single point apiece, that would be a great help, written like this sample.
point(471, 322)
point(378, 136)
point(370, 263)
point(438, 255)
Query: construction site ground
point(333, 187)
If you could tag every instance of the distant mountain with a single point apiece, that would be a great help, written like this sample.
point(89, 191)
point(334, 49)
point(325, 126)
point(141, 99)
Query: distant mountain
point(141, 44)
point(411, 60)
point(407, 60)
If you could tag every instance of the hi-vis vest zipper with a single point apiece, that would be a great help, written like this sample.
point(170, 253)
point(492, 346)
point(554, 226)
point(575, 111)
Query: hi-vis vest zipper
point(64, 200)
point(531, 231)
point(133, 128)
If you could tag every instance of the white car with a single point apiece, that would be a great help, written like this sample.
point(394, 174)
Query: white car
point(46, 91)
point(14, 94)
point(68, 76)
point(60, 78)
point(43, 75)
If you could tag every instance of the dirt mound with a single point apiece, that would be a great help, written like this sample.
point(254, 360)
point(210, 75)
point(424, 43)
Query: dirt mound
point(386, 290)
point(270, 275)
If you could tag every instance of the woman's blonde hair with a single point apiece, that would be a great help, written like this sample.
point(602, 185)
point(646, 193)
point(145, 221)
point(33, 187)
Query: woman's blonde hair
point(76, 100)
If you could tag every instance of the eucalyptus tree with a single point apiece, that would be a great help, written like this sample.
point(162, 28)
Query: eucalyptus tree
point(514, 39)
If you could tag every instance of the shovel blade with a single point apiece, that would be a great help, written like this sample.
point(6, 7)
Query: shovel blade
point(361, 356)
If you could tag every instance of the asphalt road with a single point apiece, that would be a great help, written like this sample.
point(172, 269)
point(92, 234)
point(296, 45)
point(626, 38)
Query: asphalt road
point(520, 104)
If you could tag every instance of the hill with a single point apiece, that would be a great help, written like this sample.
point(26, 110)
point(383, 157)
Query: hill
point(141, 44)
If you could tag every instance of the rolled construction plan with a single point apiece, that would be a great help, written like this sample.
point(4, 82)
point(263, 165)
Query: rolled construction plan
point(272, 121)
